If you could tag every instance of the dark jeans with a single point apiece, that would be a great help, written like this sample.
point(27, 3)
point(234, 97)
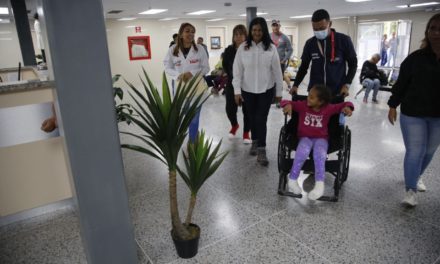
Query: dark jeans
point(231, 109)
point(258, 106)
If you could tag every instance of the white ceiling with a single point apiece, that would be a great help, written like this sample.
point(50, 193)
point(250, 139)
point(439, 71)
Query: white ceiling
point(276, 9)
point(279, 9)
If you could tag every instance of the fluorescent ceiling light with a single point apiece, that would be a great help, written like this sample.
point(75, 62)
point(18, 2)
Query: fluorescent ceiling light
point(258, 14)
point(4, 11)
point(417, 5)
point(201, 12)
point(305, 16)
point(215, 19)
point(126, 19)
point(367, 20)
point(334, 18)
point(4, 21)
point(153, 11)
point(168, 18)
point(357, 1)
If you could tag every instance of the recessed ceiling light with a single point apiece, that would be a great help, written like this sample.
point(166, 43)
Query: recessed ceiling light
point(417, 5)
point(201, 12)
point(258, 14)
point(153, 11)
point(126, 19)
point(4, 11)
point(304, 16)
point(334, 18)
point(168, 18)
point(215, 19)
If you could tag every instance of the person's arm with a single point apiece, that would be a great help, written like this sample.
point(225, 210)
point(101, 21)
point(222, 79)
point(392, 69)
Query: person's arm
point(169, 65)
point(276, 71)
point(400, 88)
point(305, 62)
point(237, 70)
point(345, 107)
point(289, 49)
point(351, 59)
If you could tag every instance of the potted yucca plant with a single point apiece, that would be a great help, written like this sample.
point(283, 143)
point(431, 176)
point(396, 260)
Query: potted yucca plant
point(165, 121)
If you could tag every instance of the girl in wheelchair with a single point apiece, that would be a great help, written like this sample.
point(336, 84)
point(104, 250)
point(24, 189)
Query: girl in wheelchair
point(314, 115)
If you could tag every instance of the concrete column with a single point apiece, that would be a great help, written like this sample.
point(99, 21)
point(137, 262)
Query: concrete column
point(23, 32)
point(251, 13)
point(78, 48)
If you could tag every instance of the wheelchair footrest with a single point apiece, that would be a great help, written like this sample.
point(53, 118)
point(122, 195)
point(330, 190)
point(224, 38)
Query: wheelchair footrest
point(328, 198)
point(291, 194)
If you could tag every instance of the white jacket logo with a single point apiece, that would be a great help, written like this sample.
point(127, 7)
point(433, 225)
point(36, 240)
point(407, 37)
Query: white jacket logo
point(313, 120)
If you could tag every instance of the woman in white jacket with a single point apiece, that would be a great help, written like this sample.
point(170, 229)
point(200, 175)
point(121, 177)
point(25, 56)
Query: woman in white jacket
point(257, 80)
point(183, 61)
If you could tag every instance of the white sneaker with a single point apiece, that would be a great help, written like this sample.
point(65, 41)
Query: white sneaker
point(410, 198)
point(317, 191)
point(421, 187)
point(294, 186)
point(247, 141)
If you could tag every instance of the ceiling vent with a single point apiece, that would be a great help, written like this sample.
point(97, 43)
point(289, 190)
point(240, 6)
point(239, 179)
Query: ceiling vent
point(114, 11)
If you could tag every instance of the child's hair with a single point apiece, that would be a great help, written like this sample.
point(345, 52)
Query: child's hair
point(323, 93)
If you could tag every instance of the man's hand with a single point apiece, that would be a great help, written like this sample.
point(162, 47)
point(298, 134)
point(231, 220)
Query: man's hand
point(238, 99)
point(287, 109)
point(49, 124)
point(344, 90)
point(392, 115)
point(347, 111)
point(294, 90)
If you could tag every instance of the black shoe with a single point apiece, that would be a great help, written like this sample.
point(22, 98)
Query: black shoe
point(253, 151)
point(261, 157)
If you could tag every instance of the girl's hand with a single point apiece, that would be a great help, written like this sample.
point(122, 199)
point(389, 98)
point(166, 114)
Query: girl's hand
point(392, 115)
point(287, 109)
point(347, 111)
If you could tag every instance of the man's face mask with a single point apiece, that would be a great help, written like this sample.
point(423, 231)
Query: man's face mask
point(321, 34)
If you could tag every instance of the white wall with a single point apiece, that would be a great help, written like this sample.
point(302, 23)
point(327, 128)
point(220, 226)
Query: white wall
point(10, 53)
point(160, 33)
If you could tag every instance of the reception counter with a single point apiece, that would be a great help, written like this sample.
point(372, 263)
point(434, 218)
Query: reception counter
point(33, 166)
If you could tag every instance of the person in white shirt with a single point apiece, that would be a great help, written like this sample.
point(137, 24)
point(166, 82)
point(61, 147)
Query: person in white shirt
point(257, 80)
point(393, 43)
point(183, 61)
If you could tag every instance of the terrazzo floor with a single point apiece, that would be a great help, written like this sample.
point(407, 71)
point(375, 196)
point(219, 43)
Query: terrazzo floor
point(242, 218)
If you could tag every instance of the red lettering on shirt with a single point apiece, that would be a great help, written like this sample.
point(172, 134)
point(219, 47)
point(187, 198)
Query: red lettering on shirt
point(194, 61)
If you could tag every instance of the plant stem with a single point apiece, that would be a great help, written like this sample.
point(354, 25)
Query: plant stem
point(192, 203)
point(178, 227)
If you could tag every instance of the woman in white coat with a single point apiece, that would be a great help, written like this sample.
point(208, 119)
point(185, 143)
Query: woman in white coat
point(183, 61)
point(257, 80)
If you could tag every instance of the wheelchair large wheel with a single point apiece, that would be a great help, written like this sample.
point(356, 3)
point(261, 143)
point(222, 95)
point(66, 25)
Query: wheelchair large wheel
point(282, 182)
point(281, 149)
point(347, 152)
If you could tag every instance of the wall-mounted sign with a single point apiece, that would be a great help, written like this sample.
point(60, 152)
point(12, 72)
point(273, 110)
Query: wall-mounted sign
point(139, 48)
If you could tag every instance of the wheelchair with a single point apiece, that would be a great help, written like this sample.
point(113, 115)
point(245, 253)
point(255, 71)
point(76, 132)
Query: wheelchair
point(339, 141)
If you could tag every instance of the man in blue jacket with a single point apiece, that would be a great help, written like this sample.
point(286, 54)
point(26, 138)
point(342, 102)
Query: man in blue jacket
point(330, 53)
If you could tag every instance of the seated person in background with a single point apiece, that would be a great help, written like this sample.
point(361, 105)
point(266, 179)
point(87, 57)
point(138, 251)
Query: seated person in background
point(370, 77)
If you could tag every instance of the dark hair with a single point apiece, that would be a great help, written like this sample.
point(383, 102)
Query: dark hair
point(319, 15)
point(36, 16)
point(175, 35)
point(239, 29)
point(425, 42)
point(266, 36)
point(323, 92)
point(179, 43)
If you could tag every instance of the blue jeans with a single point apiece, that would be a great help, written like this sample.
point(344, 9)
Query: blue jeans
point(194, 127)
point(370, 84)
point(421, 136)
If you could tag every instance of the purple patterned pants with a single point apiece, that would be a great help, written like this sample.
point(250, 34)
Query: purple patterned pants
point(305, 145)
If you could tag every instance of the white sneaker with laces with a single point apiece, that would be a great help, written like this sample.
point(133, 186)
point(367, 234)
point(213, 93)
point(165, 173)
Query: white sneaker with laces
point(410, 198)
point(421, 187)
point(317, 191)
point(294, 186)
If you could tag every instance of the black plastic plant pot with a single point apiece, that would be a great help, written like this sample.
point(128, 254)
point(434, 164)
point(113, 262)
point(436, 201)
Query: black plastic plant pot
point(187, 248)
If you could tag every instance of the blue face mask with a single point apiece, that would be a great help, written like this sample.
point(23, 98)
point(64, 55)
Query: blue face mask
point(321, 34)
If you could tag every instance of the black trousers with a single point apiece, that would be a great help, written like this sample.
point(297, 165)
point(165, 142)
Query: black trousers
point(258, 106)
point(231, 109)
